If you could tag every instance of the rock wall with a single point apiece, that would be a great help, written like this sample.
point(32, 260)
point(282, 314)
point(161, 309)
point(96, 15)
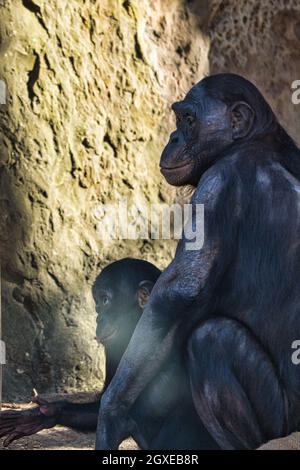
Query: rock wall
point(259, 40)
point(89, 86)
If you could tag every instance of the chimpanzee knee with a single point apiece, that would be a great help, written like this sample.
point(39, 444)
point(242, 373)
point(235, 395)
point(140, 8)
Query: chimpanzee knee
point(235, 388)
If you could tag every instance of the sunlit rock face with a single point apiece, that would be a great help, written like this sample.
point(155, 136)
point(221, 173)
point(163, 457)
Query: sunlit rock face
point(89, 88)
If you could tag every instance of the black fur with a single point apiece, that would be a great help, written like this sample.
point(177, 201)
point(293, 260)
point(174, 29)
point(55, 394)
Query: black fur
point(234, 302)
point(164, 414)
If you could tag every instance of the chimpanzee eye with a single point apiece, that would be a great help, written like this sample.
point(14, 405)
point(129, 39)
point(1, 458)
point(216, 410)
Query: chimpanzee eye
point(178, 120)
point(190, 119)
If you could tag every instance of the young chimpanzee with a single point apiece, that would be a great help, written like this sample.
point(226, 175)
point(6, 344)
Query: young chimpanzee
point(236, 300)
point(164, 414)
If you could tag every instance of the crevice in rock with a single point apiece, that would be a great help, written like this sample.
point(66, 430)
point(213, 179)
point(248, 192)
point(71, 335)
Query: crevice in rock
point(138, 50)
point(33, 76)
point(31, 6)
point(36, 9)
point(86, 143)
point(108, 140)
point(56, 280)
point(126, 5)
point(72, 62)
point(75, 165)
point(48, 65)
point(30, 307)
point(127, 183)
point(55, 137)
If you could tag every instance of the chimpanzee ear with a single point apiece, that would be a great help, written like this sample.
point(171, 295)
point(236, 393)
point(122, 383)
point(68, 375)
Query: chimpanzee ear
point(242, 117)
point(143, 293)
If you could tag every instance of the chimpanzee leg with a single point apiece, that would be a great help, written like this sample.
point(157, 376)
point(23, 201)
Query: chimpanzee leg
point(183, 430)
point(235, 387)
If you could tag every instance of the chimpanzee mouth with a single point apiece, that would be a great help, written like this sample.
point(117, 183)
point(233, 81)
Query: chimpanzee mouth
point(104, 338)
point(108, 336)
point(182, 166)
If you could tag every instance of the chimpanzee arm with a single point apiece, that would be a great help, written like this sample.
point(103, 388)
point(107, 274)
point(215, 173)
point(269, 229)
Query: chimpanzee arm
point(182, 296)
point(81, 416)
point(15, 424)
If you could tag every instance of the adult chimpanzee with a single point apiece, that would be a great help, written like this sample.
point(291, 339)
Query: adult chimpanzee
point(236, 300)
point(165, 415)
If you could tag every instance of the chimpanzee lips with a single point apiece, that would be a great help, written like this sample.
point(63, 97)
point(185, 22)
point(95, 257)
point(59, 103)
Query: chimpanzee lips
point(182, 165)
point(179, 175)
point(105, 337)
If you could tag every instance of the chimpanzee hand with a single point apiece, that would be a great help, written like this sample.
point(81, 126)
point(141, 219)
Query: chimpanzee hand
point(15, 424)
point(110, 431)
point(114, 425)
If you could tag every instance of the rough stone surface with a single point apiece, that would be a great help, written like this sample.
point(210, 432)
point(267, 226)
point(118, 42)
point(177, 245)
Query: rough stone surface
point(89, 87)
point(259, 40)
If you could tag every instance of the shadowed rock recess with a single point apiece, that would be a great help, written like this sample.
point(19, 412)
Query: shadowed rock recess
point(89, 88)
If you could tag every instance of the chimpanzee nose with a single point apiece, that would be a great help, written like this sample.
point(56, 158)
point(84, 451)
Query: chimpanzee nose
point(174, 138)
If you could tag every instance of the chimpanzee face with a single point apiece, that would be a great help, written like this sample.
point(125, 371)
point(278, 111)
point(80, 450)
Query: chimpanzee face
point(118, 308)
point(205, 127)
point(120, 292)
point(107, 325)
